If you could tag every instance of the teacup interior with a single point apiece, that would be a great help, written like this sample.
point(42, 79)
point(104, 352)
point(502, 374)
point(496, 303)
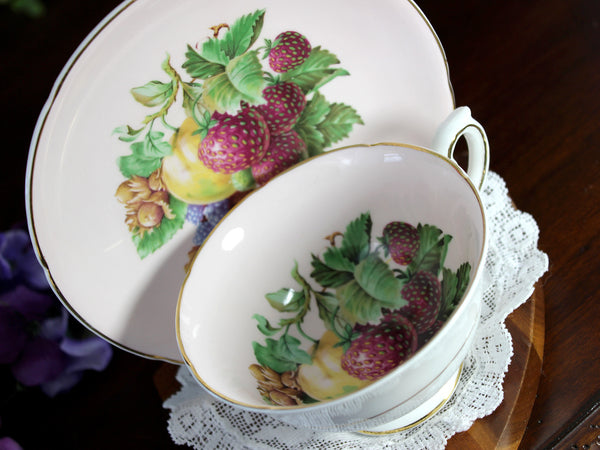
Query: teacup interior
point(255, 248)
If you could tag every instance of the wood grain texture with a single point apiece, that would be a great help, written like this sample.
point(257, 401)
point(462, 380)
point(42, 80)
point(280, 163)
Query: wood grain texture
point(504, 429)
point(531, 73)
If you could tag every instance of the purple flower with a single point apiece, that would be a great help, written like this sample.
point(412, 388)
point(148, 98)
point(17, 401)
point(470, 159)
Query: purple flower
point(33, 305)
point(34, 327)
point(18, 261)
point(78, 355)
point(12, 334)
point(86, 354)
point(18, 308)
point(55, 362)
point(40, 361)
point(7, 443)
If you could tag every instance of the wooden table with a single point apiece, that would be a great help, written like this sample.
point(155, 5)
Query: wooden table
point(530, 71)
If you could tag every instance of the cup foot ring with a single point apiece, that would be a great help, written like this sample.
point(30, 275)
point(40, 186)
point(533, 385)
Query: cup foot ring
point(421, 413)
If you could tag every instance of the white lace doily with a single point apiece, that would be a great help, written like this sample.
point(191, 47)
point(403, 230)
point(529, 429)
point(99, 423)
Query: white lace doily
point(513, 266)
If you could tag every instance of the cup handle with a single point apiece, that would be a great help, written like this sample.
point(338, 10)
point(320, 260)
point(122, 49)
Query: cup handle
point(460, 123)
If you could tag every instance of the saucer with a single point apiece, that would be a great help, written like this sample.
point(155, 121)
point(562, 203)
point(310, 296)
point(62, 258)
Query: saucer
point(393, 74)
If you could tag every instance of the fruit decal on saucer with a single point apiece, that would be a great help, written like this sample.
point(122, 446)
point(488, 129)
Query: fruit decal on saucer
point(251, 112)
point(379, 300)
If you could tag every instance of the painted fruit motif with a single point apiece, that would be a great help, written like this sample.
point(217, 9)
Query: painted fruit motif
point(284, 105)
point(424, 295)
point(380, 348)
point(285, 150)
point(401, 240)
point(325, 379)
point(290, 49)
point(186, 177)
point(376, 312)
point(235, 142)
point(247, 118)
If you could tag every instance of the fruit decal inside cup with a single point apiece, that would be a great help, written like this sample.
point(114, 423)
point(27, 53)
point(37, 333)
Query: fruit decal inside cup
point(251, 112)
point(379, 301)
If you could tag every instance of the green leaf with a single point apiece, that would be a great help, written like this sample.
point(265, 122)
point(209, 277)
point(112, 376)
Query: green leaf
point(164, 232)
point(192, 93)
point(281, 355)
point(356, 243)
point(463, 274)
point(264, 326)
point(347, 335)
point(432, 251)
point(243, 33)
point(169, 70)
point(242, 81)
point(146, 156)
point(376, 278)
point(205, 122)
point(329, 306)
point(339, 123)
point(131, 165)
point(356, 305)
point(315, 112)
point(153, 93)
point(153, 146)
point(328, 76)
point(301, 281)
point(335, 258)
point(322, 124)
point(315, 71)
point(453, 289)
point(338, 264)
point(198, 67)
point(328, 277)
point(213, 52)
point(449, 289)
point(286, 300)
point(128, 134)
point(245, 73)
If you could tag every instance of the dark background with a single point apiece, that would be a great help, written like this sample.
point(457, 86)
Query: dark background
point(530, 71)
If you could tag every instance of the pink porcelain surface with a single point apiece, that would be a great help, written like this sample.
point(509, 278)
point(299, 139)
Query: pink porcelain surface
point(397, 82)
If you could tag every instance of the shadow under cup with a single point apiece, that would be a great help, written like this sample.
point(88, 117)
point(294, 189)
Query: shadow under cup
point(253, 250)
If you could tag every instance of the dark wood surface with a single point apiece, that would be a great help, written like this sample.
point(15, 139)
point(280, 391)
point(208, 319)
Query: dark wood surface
point(530, 71)
point(504, 429)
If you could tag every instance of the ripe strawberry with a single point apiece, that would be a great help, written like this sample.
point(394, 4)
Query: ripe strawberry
point(401, 240)
point(285, 103)
point(424, 295)
point(426, 337)
point(380, 348)
point(284, 151)
point(289, 50)
point(235, 142)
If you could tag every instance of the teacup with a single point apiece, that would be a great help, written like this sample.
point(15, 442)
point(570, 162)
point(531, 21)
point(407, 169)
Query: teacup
point(343, 295)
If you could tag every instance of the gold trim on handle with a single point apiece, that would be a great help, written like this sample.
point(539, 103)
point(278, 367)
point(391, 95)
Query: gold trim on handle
point(486, 153)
